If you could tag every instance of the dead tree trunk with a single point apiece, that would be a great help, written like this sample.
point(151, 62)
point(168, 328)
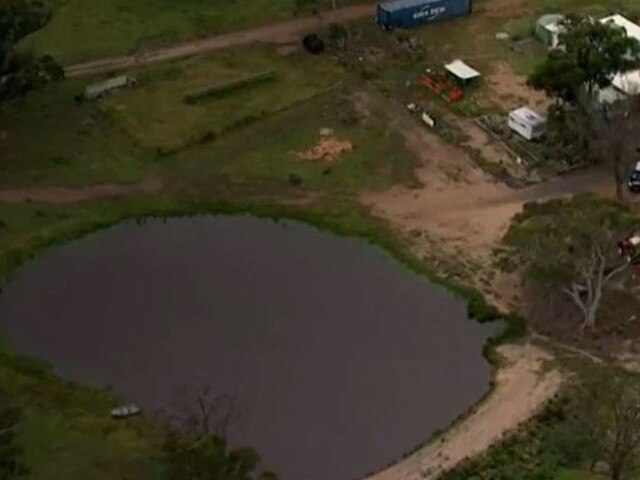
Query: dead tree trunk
point(586, 292)
point(202, 413)
point(618, 169)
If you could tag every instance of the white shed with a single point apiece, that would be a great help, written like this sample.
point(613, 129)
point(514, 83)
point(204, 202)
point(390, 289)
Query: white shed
point(527, 123)
point(463, 72)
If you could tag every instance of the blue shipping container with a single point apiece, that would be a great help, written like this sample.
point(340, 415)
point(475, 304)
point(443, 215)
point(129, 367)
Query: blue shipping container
point(411, 13)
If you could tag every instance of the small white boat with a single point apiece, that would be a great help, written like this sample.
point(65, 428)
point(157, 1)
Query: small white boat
point(126, 411)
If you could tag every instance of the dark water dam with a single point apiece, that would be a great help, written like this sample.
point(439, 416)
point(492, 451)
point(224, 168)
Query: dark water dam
point(341, 359)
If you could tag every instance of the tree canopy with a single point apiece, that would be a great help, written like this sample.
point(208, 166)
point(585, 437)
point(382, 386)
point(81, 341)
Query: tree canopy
point(569, 249)
point(21, 72)
point(588, 56)
point(606, 423)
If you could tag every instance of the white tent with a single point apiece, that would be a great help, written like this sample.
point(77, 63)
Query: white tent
point(461, 70)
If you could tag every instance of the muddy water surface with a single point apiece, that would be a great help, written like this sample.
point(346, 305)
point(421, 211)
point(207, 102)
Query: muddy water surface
point(342, 359)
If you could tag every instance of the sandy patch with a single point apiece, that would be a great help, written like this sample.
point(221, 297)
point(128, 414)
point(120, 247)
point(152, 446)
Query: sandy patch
point(327, 150)
point(511, 89)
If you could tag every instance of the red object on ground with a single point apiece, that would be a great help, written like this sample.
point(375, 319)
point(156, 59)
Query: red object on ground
point(455, 94)
point(431, 83)
point(438, 84)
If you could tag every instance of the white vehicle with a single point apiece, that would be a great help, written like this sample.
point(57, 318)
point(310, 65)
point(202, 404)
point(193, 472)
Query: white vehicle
point(634, 179)
point(527, 123)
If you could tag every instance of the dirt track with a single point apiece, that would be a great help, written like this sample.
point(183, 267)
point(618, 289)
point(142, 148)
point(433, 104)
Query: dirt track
point(278, 33)
point(458, 202)
point(59, 195)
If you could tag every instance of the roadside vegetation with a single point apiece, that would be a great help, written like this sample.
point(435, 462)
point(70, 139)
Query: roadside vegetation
point(589, 432)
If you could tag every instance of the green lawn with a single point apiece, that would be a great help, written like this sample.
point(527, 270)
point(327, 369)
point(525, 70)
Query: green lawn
point(157, 117)
point(51, 140)
point(266, 152)
point(249, 135)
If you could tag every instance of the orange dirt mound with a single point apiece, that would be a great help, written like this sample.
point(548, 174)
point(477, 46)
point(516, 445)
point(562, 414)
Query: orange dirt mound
point(328, 149)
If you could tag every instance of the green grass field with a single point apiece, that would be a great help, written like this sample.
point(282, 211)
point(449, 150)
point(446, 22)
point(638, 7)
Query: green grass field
point(51, 140)
point(82, 30)
point(250, 134)
point(266, 152)
point(156, 115)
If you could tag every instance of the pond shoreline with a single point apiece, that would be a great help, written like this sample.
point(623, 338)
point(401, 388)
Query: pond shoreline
point(337, 219)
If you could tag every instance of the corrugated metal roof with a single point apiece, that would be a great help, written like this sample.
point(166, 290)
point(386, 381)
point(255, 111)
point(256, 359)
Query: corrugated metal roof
point(631, 28)
point(402, 4)
point(526, 115)
point(550, 19)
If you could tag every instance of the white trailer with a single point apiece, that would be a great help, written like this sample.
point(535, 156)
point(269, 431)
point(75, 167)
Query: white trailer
point(101, 89)
point(527, 123)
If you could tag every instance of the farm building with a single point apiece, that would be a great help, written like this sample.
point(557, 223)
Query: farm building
point(101, 89)
point(462, 72)
point(624, 84)
point(627, 83)
point(548, 29)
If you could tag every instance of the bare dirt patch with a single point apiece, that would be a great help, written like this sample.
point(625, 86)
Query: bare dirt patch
point(511, 90)
point(504, 8)
point(523, 386)
point(442, 164)
point(327, 150)
point(488, 148)
point(59, 195)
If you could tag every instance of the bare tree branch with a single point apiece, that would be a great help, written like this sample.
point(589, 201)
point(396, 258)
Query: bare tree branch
point(202, 413)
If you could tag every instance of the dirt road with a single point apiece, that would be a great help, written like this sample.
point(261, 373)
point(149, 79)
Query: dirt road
point(523, 385)
point(278, 33)
point(458, 202)
point(60, 195)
